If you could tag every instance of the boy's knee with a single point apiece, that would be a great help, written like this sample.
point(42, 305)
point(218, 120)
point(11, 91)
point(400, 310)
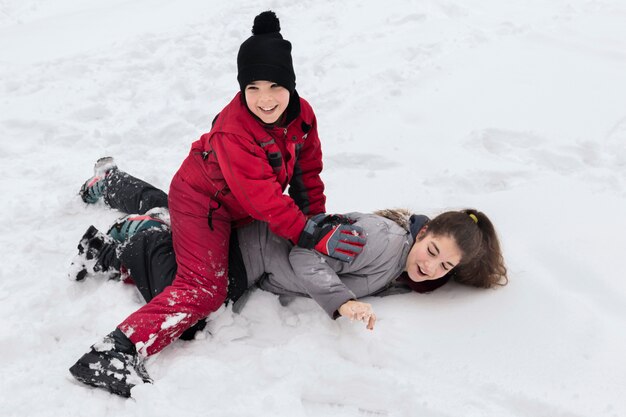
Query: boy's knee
point(211, 299)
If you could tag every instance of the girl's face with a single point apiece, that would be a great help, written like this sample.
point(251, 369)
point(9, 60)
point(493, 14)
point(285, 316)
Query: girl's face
point(431, 257)
point(266, 100)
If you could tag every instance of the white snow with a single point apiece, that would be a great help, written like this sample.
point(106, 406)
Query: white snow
point(515, 107)
point(173, 320)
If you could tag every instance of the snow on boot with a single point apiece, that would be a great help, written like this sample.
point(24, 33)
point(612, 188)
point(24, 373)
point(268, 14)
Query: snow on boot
point(94, 187)
point(112, 364)
point(124, 228)
point(97, 253)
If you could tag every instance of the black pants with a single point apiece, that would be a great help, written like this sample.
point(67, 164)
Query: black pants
point(148, 256)
point(132, 195)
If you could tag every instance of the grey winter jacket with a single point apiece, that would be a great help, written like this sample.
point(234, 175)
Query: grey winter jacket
point(277, 266)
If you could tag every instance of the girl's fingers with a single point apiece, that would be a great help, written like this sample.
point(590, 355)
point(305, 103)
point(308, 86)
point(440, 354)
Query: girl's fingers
point(360, 312)
point(365, 313)
point(371, 322)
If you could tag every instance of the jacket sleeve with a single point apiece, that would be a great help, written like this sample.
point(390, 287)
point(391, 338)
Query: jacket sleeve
point(317, 274)
point(306, 186)
point(331, 282)
point(253, 184)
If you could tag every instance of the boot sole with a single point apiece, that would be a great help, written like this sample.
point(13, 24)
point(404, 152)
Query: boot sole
point(87, 376)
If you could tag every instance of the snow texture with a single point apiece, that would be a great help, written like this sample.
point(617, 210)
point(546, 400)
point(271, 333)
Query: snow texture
point(516, 107)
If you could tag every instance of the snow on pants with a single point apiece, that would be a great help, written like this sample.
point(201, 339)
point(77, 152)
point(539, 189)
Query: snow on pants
point(201, 281)
point(132, 195)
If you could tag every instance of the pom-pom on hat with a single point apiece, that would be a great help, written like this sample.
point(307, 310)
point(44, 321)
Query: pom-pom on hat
point(266, 55)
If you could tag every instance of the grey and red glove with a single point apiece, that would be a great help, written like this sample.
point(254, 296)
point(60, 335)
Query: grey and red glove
point(333, 235)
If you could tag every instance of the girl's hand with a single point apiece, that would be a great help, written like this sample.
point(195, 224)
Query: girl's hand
point(356, 310)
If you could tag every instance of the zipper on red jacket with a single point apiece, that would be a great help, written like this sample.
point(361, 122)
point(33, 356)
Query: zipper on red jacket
point(213, 205)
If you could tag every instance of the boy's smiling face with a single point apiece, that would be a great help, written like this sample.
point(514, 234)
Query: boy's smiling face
point(266, 100)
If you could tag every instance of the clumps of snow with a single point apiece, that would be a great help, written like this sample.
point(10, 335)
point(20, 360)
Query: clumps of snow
point(97, 366)
point(127, 330)
point(104, 345)
point(80, 267)
point(116, 363)
point(142, 347)
point(173, 320)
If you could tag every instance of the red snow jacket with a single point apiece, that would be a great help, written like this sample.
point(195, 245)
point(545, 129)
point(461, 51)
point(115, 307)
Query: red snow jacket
point(245, 166)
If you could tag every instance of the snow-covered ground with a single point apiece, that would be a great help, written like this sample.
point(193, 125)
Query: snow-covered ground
point(515, 107)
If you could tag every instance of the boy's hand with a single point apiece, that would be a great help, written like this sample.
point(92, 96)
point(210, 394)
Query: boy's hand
point(356, 310)
point(333, 236)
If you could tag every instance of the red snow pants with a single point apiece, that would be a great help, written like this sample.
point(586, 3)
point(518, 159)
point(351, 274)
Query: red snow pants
point(201, 281)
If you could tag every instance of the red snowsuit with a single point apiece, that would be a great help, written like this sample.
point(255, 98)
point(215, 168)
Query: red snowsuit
point(233, 175)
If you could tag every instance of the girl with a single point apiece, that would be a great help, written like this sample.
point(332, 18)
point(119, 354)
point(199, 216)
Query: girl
point(404, 251)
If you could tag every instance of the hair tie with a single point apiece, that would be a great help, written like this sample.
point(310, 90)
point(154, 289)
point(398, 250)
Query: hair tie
point(473, 217)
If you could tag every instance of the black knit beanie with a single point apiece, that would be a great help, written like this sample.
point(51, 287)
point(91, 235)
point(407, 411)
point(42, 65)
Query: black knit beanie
point(266, 55)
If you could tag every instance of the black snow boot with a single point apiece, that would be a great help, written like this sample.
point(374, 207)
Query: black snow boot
point(97, 253)
point(112, 364)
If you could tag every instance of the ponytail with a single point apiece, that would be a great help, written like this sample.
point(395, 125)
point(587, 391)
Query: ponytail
point(482, 263)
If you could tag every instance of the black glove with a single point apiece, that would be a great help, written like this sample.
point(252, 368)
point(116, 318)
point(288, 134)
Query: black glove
point(333, 235)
